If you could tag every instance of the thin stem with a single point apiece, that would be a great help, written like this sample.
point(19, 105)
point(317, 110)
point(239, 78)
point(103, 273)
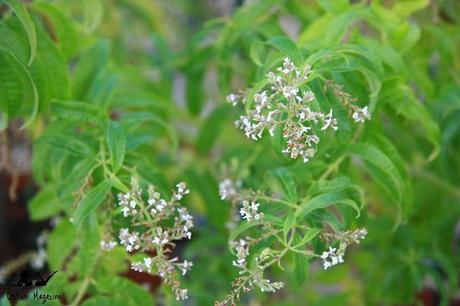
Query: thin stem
point(271, 199)
point(85, 284)
point(335, 165)
point(81, 291)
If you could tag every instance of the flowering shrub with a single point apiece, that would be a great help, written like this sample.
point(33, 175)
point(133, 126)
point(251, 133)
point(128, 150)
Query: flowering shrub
point(343, 189)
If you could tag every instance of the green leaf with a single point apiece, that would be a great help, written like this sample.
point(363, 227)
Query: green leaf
point(49, 71)
point(71, 145)
point(383, 171)
point(93, 12)
point(105, 301)
point(257, 52)
point(12, 34)
point(44, 204)
point(91, 64)
point(282, 178)
point(92, 199)
point(194, 92)
point(21, 12)
point(408, 7)
point(301, 264)
point(60, 244)
point(136, 117)
point(289, 222)
point(330, 29)
point(118, 286)
point(67, 35)
point(117, 183)
point(387, 147)
point(336, 184)
point(17, 88)
point(212, 127)
point(401, 98)
point(334, 6)
point(241, 228)
point(287, 47)
point(323, 201)
point(79, 111)
point(116, 142)
point(309, 235)
point(89, 246)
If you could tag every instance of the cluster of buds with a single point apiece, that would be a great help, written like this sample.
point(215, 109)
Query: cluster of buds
point(250, 277)
point(228, 189)
point(249, 211)
point(107, 245)
point(155, 224)
point(334, 256)
point(357, 113)
point(242, 251)
point(232, 191)
point(284, 105)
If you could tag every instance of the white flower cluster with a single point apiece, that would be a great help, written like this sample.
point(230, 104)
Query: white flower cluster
point(334, 256)
point(144, 266)
point(357, 235)
point(249, 211)
point(358, 114)
point(228, 189)
point(107, 245)
point(242, 251)
point(250, 277)
point(129, 240)
point(157, 223)
point(285, 106)
point(128, 204)
point(361, 114)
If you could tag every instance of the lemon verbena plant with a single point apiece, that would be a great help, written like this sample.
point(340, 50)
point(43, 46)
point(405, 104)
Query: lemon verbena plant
point(275, 152)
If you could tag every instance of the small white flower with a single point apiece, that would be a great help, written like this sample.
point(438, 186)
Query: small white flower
point(328, 121)
point(107, 245)
point(148, 263)
point(181, 294)
point(161, 237)
point(308, 96)
point(130, 241)
point(185, 266)
point(233, 99)
point(128, 204)
point(181, 191)
point(242, 251)
point(249, 211)
point(332, 257)
point(228, 189)
point(289, 91)
point(361, 114)
point(137, 266)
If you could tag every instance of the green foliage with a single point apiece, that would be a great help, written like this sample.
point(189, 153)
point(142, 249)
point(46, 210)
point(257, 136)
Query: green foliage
point(111, 90)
